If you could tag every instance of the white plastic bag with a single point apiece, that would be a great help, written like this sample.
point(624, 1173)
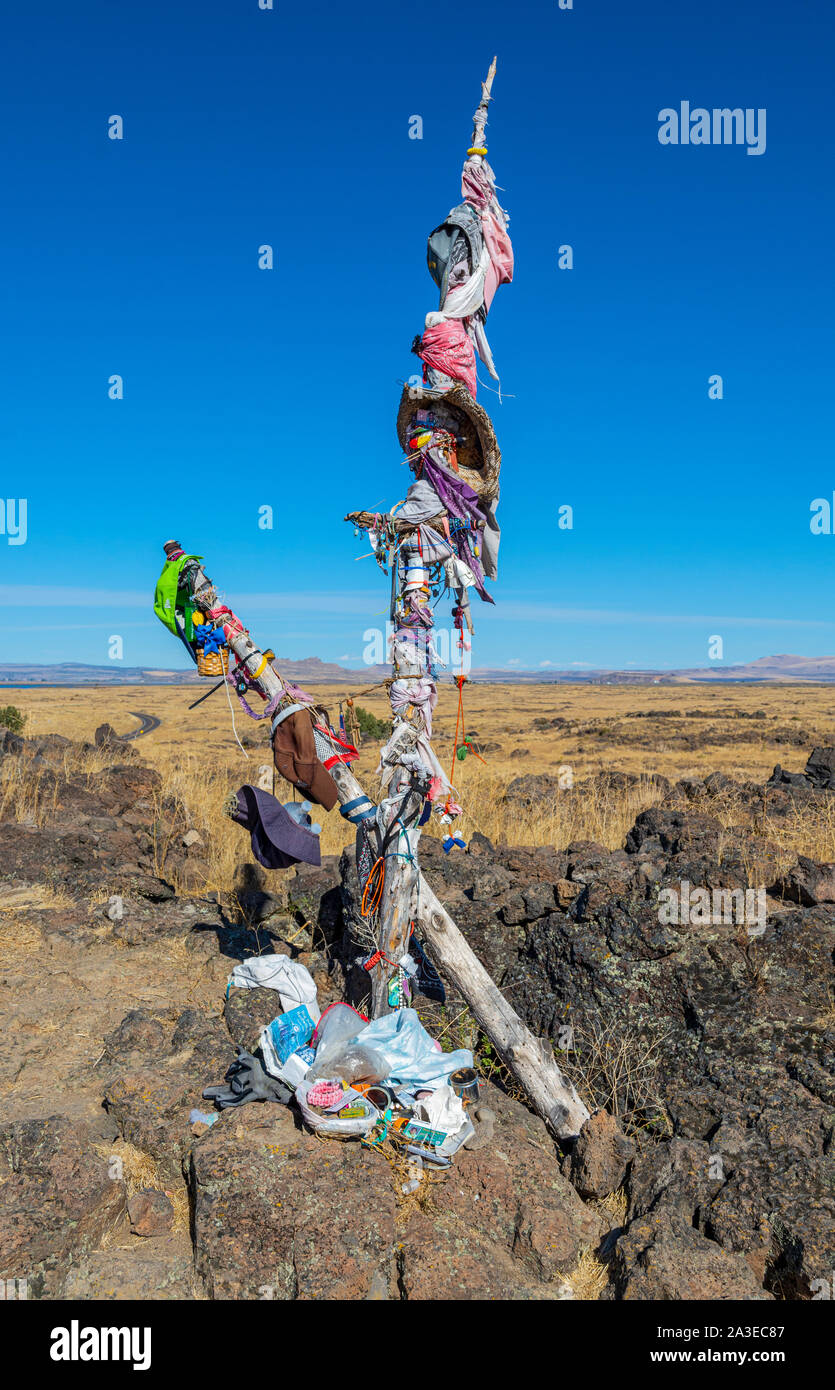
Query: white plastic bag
point(337, 1025)
point(293, 981)
point(414, 1059)
point(352, 1062)
point(442, 1110)
point(331, 1124)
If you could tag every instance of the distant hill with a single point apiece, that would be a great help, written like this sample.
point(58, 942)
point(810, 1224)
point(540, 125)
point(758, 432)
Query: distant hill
point(311, 669)
point(820, 669)
point(767, 669)
point(770, 669)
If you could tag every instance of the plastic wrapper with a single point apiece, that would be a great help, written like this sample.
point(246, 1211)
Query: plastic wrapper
point(350, 1063)
point(337, 1026)
point(331, 1125)
point(285, 1035)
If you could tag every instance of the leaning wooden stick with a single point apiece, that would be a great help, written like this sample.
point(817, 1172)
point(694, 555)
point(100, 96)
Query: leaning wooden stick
point(529, 1059)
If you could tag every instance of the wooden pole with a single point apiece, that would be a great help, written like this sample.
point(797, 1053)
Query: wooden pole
point(406, 896)
point(397, 815)
point(529, 1059)
point(480, 117)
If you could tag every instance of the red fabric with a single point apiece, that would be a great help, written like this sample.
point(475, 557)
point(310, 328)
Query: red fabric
point(447, 348)
point(477, 186)
point(500, 269)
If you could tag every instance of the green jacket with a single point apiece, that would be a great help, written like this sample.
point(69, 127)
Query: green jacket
point(170, 599)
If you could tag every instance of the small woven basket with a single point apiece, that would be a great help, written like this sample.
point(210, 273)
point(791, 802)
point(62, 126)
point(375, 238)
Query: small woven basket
point(215, 664)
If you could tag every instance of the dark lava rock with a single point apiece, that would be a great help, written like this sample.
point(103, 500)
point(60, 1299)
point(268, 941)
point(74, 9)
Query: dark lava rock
point(11, 743)
point(247, 1011)
point(661, 1258)
point(57, 1200)
point(108, 741)
point(734, 1037)
point(818, 775)
point(724, 1080)
point(203, 1038)
point(152, 1107)
point(716, 783)
point(535, 789)
point(279, 1215)
point(675, 1175)
point(492, 881)
point(807, 883)
point(789, 779)
point(314, 897)
point(600, 1156)
point(139, 1031)
point(820, 767)
point(151, 1102)
point(151, 1212)
point(674, 831)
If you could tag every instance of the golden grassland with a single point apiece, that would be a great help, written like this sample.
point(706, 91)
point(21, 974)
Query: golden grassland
point(690, 732)
point(200, 761)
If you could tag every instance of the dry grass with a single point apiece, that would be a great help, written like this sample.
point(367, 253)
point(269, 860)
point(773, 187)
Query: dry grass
point(588, 1278)
point(826, 1020)
point(403, 1172)
point(19, 941)
point(615, 1204)
point(36, 897)
point(811, 832)
point(200, 762)
point(21, 938)
point(602, 814)
point(808, 830)
point(590, 1275)
point(615, 1068)
point(26, 796)
point(139, 1170)
point(31, 795)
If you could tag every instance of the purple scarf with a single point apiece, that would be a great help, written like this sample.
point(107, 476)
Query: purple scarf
point(461, 501)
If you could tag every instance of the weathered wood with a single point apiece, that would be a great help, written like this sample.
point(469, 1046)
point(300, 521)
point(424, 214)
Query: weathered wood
point(400, 864)
point(368, 520)
point(401, 874)
point(480, 117)
point(530, 1059)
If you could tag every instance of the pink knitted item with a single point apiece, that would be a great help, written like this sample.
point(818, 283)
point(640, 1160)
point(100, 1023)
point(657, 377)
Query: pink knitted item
point(325, 1093)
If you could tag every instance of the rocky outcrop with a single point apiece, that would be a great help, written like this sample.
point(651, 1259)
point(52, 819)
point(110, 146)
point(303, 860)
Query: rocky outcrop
point(711, 1040)
point(279, 1215)
point(151, 1212)
point(57, 1201)
point(600, 1156)
point(663, 1258)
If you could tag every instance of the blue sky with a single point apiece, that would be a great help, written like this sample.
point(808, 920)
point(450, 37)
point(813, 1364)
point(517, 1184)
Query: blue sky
point(245, 387)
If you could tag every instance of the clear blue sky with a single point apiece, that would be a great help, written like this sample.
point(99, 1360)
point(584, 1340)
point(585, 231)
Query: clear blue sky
point(245, 387)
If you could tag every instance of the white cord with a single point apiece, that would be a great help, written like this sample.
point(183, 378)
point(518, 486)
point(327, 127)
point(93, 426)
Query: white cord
point(232, 712)
point(495, 392)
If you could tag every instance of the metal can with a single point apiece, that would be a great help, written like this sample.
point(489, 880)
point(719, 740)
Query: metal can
point(464, 1083)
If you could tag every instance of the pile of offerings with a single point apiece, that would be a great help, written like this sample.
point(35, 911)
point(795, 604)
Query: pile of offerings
point(386, 1080)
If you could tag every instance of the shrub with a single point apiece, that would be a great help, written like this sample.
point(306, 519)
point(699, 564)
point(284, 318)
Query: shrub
point(12, 718)
point(370, 725)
